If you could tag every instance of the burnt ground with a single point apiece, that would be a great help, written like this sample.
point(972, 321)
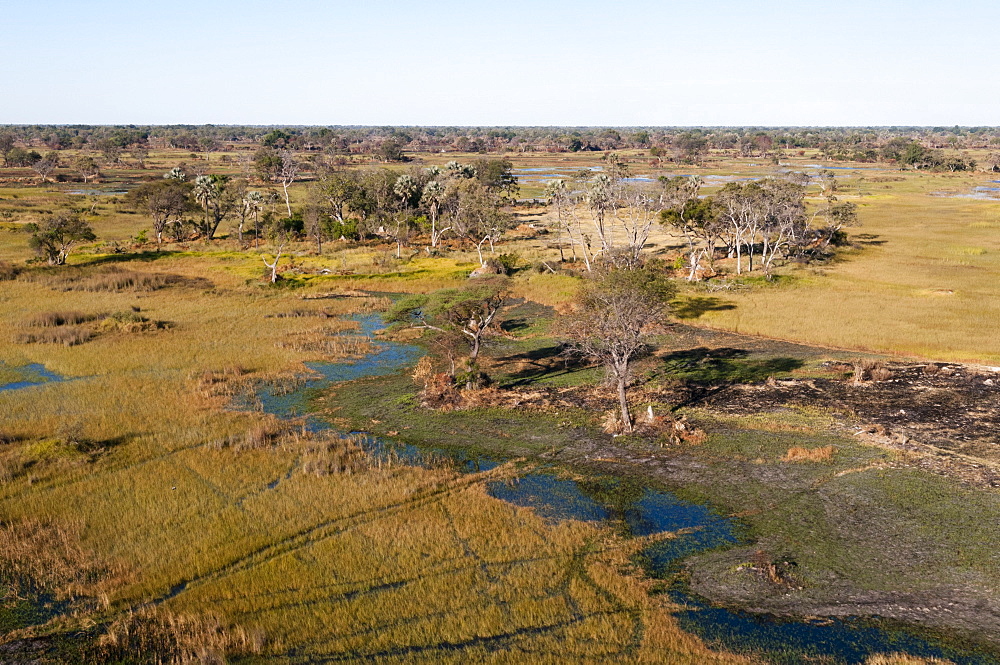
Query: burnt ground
point(948, 416)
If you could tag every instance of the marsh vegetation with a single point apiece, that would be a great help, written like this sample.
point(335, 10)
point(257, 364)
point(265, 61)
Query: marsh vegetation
point(209, 449)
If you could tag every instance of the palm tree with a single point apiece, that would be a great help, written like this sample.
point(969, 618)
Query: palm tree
point(405, 188)
point(556, 191)
point(600, 199)
point(205, 191)
point(432, 197)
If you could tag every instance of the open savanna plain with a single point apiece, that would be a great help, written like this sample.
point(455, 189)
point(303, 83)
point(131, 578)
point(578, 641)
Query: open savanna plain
point(154, 510)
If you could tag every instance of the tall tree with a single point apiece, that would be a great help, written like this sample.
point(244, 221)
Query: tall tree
point(267, 163)
point(250, 208)
point(568, 207)
point(317, 224)
point(497, 175)
point(279, 234)
point(693, 216)
point(476, 214)
point(432, 197)
point(340, 189)
point(617, 310)
point(288, 172)
point(6, 143)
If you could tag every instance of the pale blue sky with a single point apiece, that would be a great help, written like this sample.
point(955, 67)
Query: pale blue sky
point(374, 62)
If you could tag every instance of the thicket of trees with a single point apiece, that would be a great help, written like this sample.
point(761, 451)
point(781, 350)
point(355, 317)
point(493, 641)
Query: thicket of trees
point(467, 203)
point(766, 219)
point(23, 145)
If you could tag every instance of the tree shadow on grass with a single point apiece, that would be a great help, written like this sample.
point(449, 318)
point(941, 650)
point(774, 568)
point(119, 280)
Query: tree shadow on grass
point(128, 257)
point(547, 362)
point(723, 366)
point(97, 447)
point(869, 239)
point(693, 307)
point(514, 325)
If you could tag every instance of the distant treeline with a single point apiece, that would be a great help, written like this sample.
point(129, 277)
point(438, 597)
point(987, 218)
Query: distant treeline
point(907, 145)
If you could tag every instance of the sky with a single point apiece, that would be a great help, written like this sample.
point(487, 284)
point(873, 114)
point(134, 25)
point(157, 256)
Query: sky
point(374, 62)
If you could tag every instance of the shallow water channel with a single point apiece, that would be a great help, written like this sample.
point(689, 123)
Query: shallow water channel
point(637, 511)
point(30, 375)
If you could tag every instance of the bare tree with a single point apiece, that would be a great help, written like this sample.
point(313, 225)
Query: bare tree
point(635, 209)
point(279, 234)
point(621, 211)
point(784, 220)
point(288, 172)
point(742, 208)
point(273, 265)
point(246, 164)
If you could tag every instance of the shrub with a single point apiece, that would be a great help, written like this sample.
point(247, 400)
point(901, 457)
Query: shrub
point(124, 280)
point(129, 322)
point(423, 371)
point(881, 374)
point(8, 271)
point(328, 454)
point(39, 557)
point(67, 335)
point(152, 636)
point(509, 263)
point(55, 319)
point(904, 659)
point(868, 368)
point(439, 391)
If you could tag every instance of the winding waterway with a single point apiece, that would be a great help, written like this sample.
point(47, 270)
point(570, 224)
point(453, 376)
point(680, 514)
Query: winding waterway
point(637, 511)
